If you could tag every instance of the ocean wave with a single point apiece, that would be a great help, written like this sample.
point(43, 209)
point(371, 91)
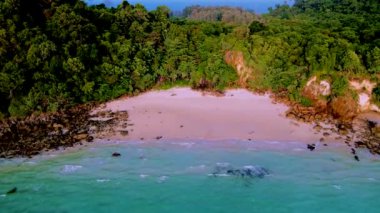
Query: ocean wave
point(70, 168)
point(185, 144)
point(337, 187)
point(218, 175)
point(162, 179)
point(103, 180)
point(198, 167)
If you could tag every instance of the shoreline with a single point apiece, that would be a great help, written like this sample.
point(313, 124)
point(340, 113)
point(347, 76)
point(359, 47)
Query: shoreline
point(182, 113)
point(289, 147)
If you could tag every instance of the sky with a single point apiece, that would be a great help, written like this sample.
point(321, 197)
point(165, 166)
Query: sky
point(259, 6)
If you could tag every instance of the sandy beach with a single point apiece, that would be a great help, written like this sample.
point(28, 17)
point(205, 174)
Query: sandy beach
point(181, 113)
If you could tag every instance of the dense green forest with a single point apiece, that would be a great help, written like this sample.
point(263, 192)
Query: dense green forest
point(334, 39)
point(56, 53)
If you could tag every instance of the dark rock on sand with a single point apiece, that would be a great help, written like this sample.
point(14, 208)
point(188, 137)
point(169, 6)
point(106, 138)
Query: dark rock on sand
point(90, 139)
point(353, 151)
point(326, 134)
point(124, 133)
point(80, 137)
point(356, 158)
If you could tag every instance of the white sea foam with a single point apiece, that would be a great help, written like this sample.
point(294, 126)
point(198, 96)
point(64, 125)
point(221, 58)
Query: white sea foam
point(199, 167)
point(219, 175)
point(185, 144)
point(338, 187)
point(30, 163)
point(143, 176)
point(162, 179)
point(249, 167)
point(224, 164)
point(71, 168)
point(103, 180)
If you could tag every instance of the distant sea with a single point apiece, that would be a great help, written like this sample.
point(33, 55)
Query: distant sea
point(259, 6)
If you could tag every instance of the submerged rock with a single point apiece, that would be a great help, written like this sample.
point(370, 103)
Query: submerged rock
point(116, 154)
point(311, 147)
point(223, 169)
point(12, 191)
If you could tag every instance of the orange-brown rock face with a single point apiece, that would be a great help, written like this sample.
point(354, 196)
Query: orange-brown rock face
point(236, 60)
point(344, 107)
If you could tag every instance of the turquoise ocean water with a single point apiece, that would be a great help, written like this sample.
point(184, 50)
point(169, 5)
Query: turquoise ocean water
point(173, 176)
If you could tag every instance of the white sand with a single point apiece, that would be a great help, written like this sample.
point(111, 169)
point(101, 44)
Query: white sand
point(238, 115)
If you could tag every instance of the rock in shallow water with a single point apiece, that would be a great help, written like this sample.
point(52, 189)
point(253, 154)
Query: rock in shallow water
point(225, 169)
point(116, 154)
point(311, 147)
point(12, 191)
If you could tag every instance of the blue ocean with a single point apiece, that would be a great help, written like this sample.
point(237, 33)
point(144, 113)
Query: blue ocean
point(192, 176)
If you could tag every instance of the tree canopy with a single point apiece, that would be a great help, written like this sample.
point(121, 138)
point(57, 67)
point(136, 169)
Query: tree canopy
point(58, 53)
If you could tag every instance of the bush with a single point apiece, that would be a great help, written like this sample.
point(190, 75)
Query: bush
point(376, 95)
point(339, 86)
point(255, 27)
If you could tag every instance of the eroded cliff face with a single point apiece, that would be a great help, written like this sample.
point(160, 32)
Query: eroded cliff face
point(236, 60)
point(317, 91)
point(345, 107)
point(364, 90)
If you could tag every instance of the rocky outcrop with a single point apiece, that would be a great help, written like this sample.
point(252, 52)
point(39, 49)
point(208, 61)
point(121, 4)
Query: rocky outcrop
point(316, 90)
point(31, 135)
point(307, 114)
point(367, 131)
point(236, 60)
point(251, 171)
point(344, 107)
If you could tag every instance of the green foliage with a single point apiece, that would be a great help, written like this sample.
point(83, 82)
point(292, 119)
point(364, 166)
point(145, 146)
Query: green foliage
point(255, 27)
point(63, 52)
point(58, 53)
point(340, 86)
point(376, 94)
